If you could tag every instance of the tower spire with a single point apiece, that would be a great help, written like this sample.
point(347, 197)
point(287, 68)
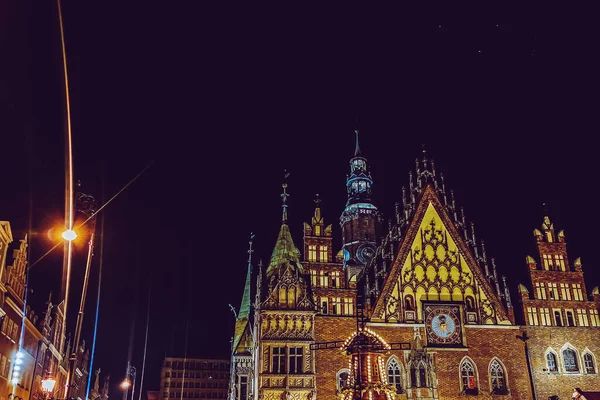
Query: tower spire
point(244, 312)
point(357, 152)
point(284, 197)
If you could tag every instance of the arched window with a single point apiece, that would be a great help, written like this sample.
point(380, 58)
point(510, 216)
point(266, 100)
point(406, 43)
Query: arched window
point(570, 360)
point(394, 373)
point(551, 363)
point(498, 378)
point(588, 364)
point(467, 377)
point(343, 379)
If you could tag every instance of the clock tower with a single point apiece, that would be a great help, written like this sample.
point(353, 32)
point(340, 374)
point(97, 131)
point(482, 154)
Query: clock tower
point(360, 219)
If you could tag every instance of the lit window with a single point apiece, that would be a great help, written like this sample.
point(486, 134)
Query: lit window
point(548, 265)
point(570, 360)
point(551, 362)
point(395, 375)
point(323, 253)
point(313, 277)
point(545, 317)
point(540, 290)
point(497, 378)
point(577, 293)
point(335, 279)
point(553, 291)
point(588, 363)
point(582, 317)
point(467, 376)
point(532, 316)
point(317, 230)
point(336, 305)
point(565, 292)
point(594, 318)
point(312, 253)
point(324, 279)
point(559, 262)
point(348, 306)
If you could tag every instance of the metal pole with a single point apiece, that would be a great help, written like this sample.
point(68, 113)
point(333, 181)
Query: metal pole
point(132, 369)
point(126, 377)
point(146, 339)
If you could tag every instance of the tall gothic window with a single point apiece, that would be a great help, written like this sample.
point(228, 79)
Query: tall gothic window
point(395, 375)
point(278, 364)
point(551, 362)
point(312, 253)
point(497, 377)
point(295, 360)
point(588, 363)
point(323, 253)
point(467, 376)
point(570, 360)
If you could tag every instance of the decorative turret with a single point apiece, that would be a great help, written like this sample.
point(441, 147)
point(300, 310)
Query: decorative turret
point(360, 219)
point(287, 288)
point(317, 237)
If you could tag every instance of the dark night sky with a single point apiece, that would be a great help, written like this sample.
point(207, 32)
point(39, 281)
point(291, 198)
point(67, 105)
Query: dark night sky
point(224, 99)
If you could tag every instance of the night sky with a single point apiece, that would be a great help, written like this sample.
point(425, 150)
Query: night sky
point(222, 100)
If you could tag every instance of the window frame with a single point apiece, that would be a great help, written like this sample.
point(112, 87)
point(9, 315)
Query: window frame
point(575, 360)
point(463, 389)
point(394, 362)
point(585, 353)
point(556, 369)
point(497, 366)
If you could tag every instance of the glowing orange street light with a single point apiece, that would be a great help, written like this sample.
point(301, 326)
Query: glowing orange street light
point(69, 235)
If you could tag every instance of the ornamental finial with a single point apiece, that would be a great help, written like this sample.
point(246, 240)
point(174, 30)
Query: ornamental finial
point(284, 196)
point(357, 152)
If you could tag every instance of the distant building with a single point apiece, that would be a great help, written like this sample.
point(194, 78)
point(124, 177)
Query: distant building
point(192, 378)
point(153, 395)
point(410, 308)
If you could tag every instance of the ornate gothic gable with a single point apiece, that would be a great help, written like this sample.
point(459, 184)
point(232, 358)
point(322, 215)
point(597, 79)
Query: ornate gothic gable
point(288, 291)
point(434, 263)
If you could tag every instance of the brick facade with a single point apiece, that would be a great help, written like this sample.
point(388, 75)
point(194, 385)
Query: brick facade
point(431, 298)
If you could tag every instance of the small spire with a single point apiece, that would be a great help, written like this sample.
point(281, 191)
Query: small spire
point(357, 152)
point(284, 197)
point(506, 293)
point(317, 200)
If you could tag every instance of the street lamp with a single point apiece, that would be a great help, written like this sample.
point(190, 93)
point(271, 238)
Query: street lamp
point(129, 381)
point(69, 235)
point(48, 385)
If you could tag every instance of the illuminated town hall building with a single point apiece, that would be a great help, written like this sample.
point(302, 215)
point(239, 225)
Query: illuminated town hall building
point(413, 309)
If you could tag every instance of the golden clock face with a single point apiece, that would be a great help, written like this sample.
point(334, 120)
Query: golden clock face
point(442, 324)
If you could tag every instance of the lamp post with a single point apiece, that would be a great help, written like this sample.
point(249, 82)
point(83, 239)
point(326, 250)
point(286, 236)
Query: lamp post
point(129, 381)
point(86, 204)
